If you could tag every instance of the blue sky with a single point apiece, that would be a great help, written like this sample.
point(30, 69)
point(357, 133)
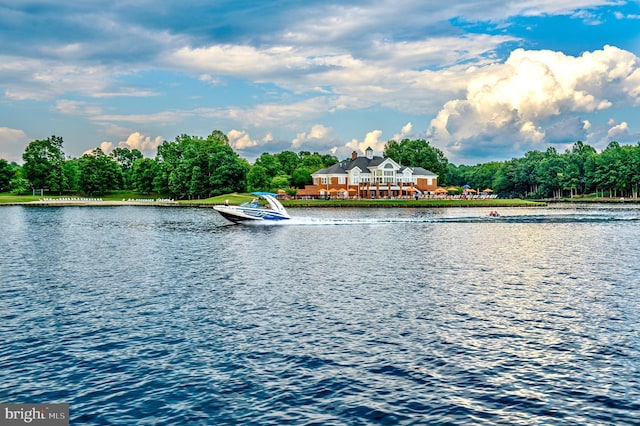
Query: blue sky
point(482, 80)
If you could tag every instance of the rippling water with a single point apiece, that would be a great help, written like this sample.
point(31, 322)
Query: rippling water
point(143, 315)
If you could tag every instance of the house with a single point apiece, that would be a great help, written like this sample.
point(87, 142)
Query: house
point(370, 177)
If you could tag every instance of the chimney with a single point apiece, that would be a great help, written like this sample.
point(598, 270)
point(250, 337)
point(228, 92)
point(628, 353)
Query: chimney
point(354, 155)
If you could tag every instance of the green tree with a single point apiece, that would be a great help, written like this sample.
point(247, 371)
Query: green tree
point(18, 185)
point(228, 170)
point(7, 173)
point(269, 163)
point(418, 153)
point(280, 182)
point(99, 173)
point(300, 177)
point(258, 179)
point(72, 172)
point(315, 161)
point(43, 164)
point(289, 161)
point(196, 167)
point(125, 158)
point(143, 174)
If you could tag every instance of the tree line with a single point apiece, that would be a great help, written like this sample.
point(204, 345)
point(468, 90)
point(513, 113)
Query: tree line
point(189, 167)
point(192, 167)
point(580, 170)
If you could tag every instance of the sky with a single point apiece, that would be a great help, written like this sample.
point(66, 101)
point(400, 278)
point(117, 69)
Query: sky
point(482, 80)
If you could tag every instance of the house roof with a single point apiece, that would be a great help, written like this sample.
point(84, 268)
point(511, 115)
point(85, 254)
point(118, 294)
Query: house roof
point(363, 163)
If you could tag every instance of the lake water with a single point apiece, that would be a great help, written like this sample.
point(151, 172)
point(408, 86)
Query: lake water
point(166, 316)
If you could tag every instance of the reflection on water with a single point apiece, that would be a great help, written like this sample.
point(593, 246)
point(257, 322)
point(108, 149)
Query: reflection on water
point(361, 316)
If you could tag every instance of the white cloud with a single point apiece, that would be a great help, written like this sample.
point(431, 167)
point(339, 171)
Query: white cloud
point(371, 140)
point(12, 144)
point(162, 117)
point(136, 140)
point(39, 79)
point(240, 60)
point(390, 73)
point(239, 140)
point(318, 135)
point(618, 132)
point(106, 147)
point(275, 115)
point(619, 15)
point(512, 105)
point(405, 132)
point(71, 107)
point(145, 144)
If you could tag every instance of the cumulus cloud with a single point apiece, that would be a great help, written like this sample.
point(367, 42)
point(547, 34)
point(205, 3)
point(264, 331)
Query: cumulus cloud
point(618, 132)
point(239, 140)
point(12, 144)
point(136, 140)
point(319, 135)
point(405, 132)
point(105, 146)
point(145, 144)
point(515, 105)
point(371, 140)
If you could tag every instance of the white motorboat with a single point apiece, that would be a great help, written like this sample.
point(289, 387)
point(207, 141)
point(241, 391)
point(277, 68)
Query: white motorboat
point(252, 211)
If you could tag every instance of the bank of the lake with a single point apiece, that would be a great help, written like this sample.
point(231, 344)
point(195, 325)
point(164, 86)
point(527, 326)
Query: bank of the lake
point(147, 200)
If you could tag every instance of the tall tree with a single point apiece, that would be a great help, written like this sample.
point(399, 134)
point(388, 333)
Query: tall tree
point(258, 179)
point(99, 173)
point(143, 174)
point(288, 160)
point(418, 153)
point(125, 158)
point(7, 173)
point(301, 176)
point(196, 167)
point(72, 172)
point(270, 163)
point(43, 164)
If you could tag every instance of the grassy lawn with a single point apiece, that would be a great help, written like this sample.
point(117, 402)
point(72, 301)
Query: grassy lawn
point(412, 203)
point(240, 198)
point(236, 198)
point(6, 197)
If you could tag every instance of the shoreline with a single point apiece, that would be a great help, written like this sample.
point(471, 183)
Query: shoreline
point(320, 205)
point(96, 202)
point(92, 203)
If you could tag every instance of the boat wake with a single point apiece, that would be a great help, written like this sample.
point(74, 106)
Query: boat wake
point(515, 219)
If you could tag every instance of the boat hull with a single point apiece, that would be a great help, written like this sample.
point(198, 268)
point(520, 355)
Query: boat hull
point(239, 214)
point(249, 212)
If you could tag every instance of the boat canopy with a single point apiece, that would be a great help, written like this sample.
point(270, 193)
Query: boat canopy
point(271, 199)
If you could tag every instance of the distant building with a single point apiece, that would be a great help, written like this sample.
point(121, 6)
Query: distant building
point(370, 177)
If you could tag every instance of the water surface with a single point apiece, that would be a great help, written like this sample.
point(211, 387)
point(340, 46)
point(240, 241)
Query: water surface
point(145, 315)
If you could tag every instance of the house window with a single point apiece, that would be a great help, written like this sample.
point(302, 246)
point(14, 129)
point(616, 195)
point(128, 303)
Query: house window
point(325, 180)
point(341, 179)
point(355, 178)
point(389, 176)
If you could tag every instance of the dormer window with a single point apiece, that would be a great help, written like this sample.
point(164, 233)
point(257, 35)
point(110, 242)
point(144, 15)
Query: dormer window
point(369, 153)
